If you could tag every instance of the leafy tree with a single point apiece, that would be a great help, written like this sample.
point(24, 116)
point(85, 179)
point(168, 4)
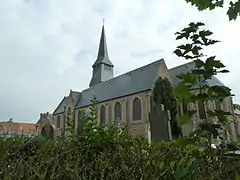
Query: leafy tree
point(163, 94)
point(194, 87)
point(87, 120)
point(71, 127)
point(90, 128)
point(233, 10)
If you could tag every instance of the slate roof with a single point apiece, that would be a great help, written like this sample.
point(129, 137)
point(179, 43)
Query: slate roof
point(60, 107)
point(187, 68)
point(63, 103)
point(75, 96)
point(138, 80)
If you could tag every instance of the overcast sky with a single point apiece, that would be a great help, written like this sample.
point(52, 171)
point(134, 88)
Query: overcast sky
point(47, 47)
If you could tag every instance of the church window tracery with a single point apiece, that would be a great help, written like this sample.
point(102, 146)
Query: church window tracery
point(137, 109)
point(118, 111)
point(102, 115)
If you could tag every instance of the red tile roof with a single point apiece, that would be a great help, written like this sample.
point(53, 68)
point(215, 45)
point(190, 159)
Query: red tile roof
point(19, 128)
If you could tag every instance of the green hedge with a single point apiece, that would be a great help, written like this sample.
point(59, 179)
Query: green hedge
point(108, 154)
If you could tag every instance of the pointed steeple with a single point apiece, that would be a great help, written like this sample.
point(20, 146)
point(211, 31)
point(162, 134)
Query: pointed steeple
point(102, 56)
point(102, 67)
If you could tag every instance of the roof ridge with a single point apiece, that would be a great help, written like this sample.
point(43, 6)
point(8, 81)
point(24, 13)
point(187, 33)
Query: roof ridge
point(181, 65)
point(59, 104)
point(134, 70)
point(216, 78)
point(76, 91)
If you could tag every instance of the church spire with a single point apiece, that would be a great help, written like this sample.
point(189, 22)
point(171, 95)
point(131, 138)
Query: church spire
point(102, 67)
point(102, 56)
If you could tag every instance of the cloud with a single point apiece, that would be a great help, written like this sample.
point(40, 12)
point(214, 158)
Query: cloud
point(48, 46)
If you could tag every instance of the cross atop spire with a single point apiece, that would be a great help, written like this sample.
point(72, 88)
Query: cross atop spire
point(102, 51)
point(102, 67)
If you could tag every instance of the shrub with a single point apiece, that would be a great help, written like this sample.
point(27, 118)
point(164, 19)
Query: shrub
point(105, 152)
point(113, 158)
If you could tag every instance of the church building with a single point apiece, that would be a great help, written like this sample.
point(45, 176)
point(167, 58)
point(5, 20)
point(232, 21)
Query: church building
point(126, 98)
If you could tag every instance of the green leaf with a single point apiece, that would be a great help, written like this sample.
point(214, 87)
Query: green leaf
point(182, 171)
point(219, 91)
point(187, 77)
point(234, 10)
point(198, 24)
point(182, 47)
point(187, 48)
point(180, 36)
point(237, 175)
point(178, 52)
point(183, 119)
point(189, 57)
point(211, 42)
point(182, 91)
point(206, 4)
point(196, 49)
point(161, 165)
point(202, 96)
point(184, 141)
point(194, 37)
point(224, 71)
point(205, 33)
point(199, 63)
point(211, 62)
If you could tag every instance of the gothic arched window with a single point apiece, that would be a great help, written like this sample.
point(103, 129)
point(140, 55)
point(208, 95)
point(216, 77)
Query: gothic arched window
point(137, 109)
point(80, 122)
point(102, 115)
point(64, 125)
point(218, 105)
point(201, 110)
point(118, 111)
point(110, 113)
point(69, 114)
point(58, 122)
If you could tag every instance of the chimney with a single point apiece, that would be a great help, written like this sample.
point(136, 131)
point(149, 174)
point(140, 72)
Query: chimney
point(41, 115)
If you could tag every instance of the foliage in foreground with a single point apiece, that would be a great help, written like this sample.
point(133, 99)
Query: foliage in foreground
point(109, 154)
point(106, 152)
point(163, 93)
point(194, 87)
point(233, 8)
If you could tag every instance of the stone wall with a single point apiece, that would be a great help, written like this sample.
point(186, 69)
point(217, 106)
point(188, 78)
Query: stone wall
point(139, 127)
point(226, 105)
point(135, 127)
point(160, 123)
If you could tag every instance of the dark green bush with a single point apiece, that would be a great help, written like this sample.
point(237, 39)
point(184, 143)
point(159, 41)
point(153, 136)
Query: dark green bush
point(108, 154)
